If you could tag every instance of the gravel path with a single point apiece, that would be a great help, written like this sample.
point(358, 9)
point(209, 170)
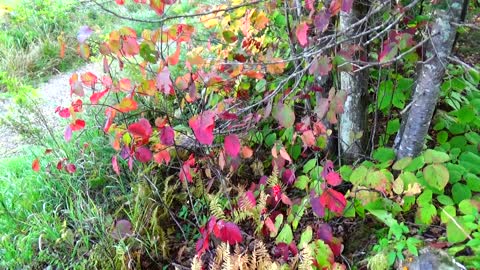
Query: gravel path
point(53, 93)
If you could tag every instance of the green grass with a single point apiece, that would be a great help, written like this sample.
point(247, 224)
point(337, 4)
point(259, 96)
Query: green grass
point(51, 217)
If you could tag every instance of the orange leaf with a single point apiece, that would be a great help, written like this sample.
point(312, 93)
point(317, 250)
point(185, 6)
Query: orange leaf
point(276, 68)
point(36, 165)
point(89, 79)
point(247, 152)
point(127, 105)
point(84, 50)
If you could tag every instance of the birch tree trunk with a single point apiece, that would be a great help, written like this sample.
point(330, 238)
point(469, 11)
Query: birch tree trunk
point(353, 121)
point(415, 123)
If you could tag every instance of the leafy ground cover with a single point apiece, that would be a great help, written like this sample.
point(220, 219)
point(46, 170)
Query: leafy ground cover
point(184, 153)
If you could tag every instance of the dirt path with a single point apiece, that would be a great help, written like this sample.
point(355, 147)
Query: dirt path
point(55, 92)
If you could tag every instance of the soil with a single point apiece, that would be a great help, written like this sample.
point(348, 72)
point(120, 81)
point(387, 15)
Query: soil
point(55, 92)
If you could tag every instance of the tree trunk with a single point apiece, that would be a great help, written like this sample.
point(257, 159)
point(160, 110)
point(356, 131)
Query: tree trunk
point(352, 128)
point(410, 139)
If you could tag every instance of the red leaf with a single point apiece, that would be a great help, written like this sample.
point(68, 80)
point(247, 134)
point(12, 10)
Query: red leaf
point(389, 50)
point(173, 59)
point(77, 105)
point(63, 112)
point(125, 84)
point(202, 126)
point(36, 165)
point(76, 86)
point(163, 83)
point(70, 168)
point(143, 154)
point(110, 113)
point(347, 5)
point(232, 145)
point(229, 232)
point(185, 173)
point(202, 244)
point(120, 2)
point(321, 20)
point(321, 66)
point(288, 176)
point(162, 156)
point(335, 6)
point(317, 207)
point(77, 125)
point(167, 136)
point(158, 6)
point(333, 179)
point(336, 246)
point(142, 129)
point(89, 79)
point(301, 33)
point(324, 233)
point(115, 167)
point(130, 46)
point(95, 97)
point(333, 200)
point(248, 200)
point(281, 250)
point(309, 4)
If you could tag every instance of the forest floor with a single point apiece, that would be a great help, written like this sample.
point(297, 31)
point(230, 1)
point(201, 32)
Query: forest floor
point(55, 92)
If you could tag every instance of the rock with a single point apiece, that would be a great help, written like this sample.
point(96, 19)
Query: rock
point(431, 259)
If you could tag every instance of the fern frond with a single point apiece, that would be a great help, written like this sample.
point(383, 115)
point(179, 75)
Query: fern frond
point(227, 257)
point(273, 179)
point(306, 258)
point(196, 263)
point(216, 209)
point(239, 215)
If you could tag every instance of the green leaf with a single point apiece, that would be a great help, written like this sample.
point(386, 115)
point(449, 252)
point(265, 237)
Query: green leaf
point(442, 137)
point(468, 207)
point(384, 154)
point(229, 36)
point(470, 161)
point(425, 214)
point(309, 165)
point(425, 198)
point(433, 156)
point(358, 175)
point(345, 171)
point(302, 182)
point(284, 115)
point(306, 237)
point(270, 139)
point(455, 171)
point(385, 94)
point(285, 235)
point(402, 163)
point(323, 253)
point(460, 192)
point(473, 138)
point(393, 126)
point(458, 142)
point(416, 164)
point(436, 175)
point(466, 114)
point(473, 182)
point(447, 212)
point(445, 200)
point(456, 230)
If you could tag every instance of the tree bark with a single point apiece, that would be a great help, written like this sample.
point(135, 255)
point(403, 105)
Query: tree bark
point(410, 139)
point(353, 121)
